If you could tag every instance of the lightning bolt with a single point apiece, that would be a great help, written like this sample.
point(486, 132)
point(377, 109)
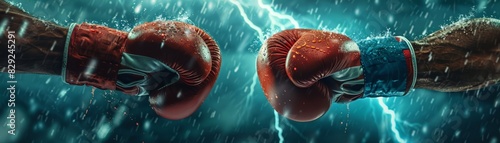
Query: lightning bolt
point(274, 17)
point(277, 126)
point(252, 89)
point(392, 119)
point(248, 21)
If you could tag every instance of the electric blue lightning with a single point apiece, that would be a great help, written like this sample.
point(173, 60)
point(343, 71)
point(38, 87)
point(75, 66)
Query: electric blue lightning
point(252, 89)
point(392, 115)
point(273, 16)
point(248, 21)
point(277, 126)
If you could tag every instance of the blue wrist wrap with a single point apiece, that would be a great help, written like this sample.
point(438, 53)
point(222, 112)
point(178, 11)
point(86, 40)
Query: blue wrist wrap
point(385, 67)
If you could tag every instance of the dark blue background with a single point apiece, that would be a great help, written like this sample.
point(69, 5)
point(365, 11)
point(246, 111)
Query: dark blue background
point(48, 110)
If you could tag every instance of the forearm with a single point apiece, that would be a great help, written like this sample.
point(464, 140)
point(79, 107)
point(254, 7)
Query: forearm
point(39, 45)
point(459, 58)
point(448, 69)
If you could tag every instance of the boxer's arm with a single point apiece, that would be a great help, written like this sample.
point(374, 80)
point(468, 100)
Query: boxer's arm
point(39, 49)
point(462, 56)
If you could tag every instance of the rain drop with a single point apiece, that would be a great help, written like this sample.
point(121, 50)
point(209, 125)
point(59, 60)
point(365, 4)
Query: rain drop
point(137, 9)
point(430, 57)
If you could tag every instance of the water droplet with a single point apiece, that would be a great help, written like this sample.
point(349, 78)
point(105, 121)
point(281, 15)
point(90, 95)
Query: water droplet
point(53, 45)
point(137, 9)
point(430, 57)
point(23, 28)
point(237, 68)
point(179, 94)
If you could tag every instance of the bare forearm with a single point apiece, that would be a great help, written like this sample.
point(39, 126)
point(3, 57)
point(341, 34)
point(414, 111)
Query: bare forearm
point(464, 56)
point(38, 44)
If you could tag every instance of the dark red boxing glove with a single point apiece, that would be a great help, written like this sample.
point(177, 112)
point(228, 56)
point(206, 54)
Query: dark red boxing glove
point(175, 63)
point(302, 71)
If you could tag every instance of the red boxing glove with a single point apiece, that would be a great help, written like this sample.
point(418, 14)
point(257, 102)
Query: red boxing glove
point(175, 63)
point(302, 71)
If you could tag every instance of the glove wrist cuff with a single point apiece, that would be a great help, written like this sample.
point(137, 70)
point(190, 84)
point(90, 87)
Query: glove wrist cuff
point(389, 66)
point(411, 64)
point(92, 55)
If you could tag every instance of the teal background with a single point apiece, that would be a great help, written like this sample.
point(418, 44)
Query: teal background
point(48, 110)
